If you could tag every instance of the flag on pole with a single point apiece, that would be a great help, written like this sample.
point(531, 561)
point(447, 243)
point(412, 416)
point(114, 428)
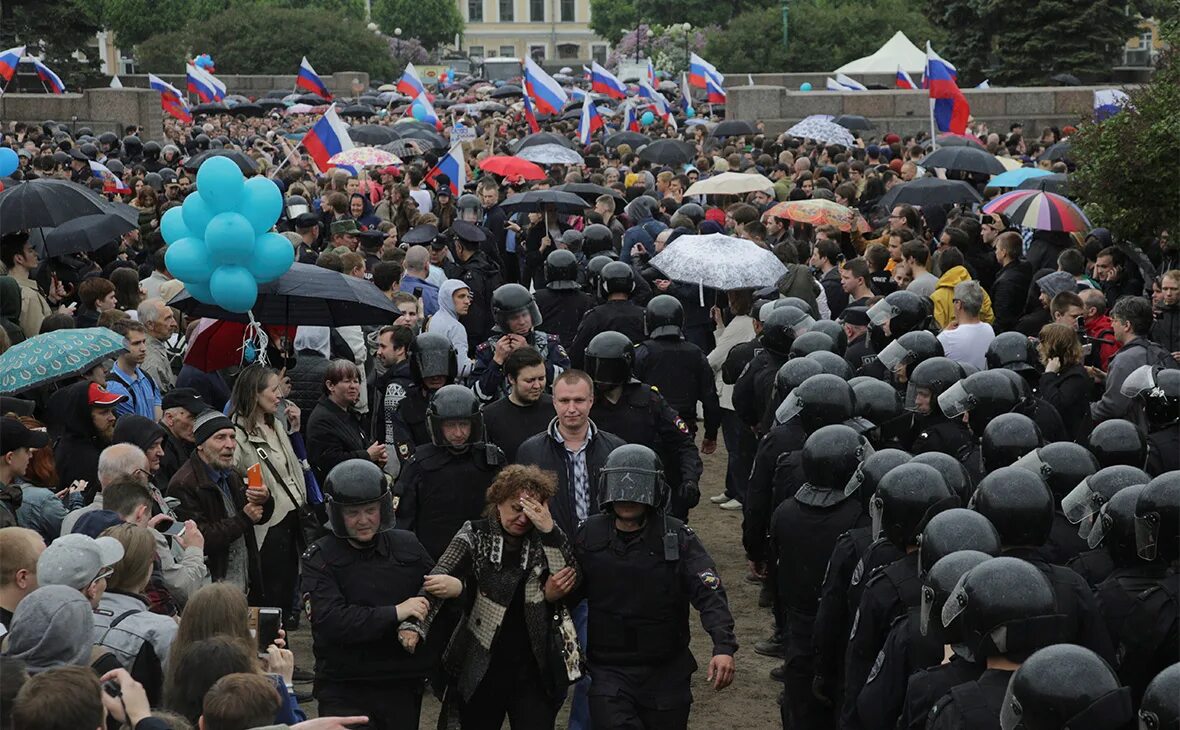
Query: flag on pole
point(651, 73)
point(204, 84)
point(1108, 102)
point(530, 116)
point(685, 94)
point(171, 100)
point(949, 106)
point(699, 69)
point(590, 123)
point(985, 84)
point(111, 183)
point(749, 79)
point(429, 115)
point(9, 60)
point(454, 166)
point(547, 93)
point(630, 121)
point(51, 80)
point(327, 137)
point(309, 80)
point(409, 84)
point(605, 82)
point(116, 83)
point(904, 81)
point(714, 94)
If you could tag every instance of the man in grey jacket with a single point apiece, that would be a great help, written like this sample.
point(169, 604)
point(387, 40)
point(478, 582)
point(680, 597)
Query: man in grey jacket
point(1131, 320)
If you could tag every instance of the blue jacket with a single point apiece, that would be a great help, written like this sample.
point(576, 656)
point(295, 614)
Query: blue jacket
point(429, 293)
point(40, 510)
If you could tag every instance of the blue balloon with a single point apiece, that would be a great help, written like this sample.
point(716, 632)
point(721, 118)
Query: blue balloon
point(200, 291)
point(9, 161)
point(197, 215)
point(647, 118)
point(690, 113)
point(188, 260)
point(230, 239)
point(805, 86)
point(261, 203)
point(172, 225)
point(273, 256)
point(219, 182)
point(233, 288)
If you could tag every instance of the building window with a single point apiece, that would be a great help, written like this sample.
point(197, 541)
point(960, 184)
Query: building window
point(567, 11)
point(537, 11)
point(598, 53)
point(568, 50)
point(475, 11)
point(537, 53)
point(507, 51)
point(507, 11)
point(475, 51)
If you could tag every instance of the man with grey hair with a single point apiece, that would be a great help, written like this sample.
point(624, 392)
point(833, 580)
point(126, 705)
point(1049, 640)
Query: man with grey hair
point(157, 318)
point(117, 462)
point(966, 338)
point(415, 280)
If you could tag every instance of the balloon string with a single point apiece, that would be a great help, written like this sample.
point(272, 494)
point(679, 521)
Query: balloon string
point(255, 333)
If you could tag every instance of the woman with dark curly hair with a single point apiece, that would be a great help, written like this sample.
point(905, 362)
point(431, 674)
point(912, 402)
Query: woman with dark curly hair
point(514, 567)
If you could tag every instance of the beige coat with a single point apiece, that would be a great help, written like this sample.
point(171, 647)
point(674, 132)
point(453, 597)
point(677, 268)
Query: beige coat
point(277, 446)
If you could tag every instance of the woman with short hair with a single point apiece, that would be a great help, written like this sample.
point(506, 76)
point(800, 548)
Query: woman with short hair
point(1065, 384)
point(335, 431)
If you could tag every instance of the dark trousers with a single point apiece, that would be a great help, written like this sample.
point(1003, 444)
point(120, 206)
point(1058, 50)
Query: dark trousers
point(280, 563)
point(620, 713)
point(512, 692)
point(510, 266)
point(741, 445)
point(389, 706)
point(800, 709)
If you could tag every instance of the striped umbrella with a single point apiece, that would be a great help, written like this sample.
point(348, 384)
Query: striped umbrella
point(1040, 210)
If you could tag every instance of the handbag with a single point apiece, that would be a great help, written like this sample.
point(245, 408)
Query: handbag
point(311, 527)
point(566, 662)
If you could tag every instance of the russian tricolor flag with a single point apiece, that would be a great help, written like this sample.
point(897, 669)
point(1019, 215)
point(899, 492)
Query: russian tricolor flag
point(409, 84)
point(9, 60)
point(204, 84)
point(454, 166)
point(110, 181)
point(850, 83)
point(947, 103)
point(904, 81)
point(685, 94)
point(328, 137)
point(429, 115)
point(309, 80)
point(714, 94)
point(51, 80)
point(590, 123)
point(1108, 102)
point(651, 73)
point(171, 100)
point(604, 82)
point(699, 70)
point(547, 93)
point(530, 116)
point(630, 120)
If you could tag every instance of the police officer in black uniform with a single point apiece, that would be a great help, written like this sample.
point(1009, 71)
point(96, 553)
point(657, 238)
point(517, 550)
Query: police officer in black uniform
point(889, 319)
point(617, 313)
point(1081, 506)
point(1158, 390)
point(1041, 411)
point(641, 569)
point(752, 392)
point(433, 364)
point(517, 318)
point(678, 368)
point(1161, 702)
point(1065, 686)
point(637, 413)
point(907, 352)
point(1063, 465)
point(930, 430)
point(445, 482)
point(358, 584)
point(856, 322)
point(480, 271)
point(1006, 438)
point(562, 302)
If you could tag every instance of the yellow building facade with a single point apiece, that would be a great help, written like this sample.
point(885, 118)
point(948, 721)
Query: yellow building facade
point(552, 32)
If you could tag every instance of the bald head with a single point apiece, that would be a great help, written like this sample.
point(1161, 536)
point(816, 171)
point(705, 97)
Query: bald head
point(1095, 299)
point(417, 261)
point(19, 550)
point(122, 461)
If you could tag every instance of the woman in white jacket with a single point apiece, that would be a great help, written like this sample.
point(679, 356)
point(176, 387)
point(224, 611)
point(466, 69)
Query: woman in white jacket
point(454, 300)
point(739, 440)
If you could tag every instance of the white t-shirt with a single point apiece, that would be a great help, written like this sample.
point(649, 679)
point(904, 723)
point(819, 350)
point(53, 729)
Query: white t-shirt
point(968, 343)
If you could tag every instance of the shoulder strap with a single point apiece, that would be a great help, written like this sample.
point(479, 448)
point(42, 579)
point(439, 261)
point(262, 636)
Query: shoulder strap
point(119, 379)
point(119, 619)
point(264, 457)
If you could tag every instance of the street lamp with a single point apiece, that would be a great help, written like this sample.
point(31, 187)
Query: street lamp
point(397, 33)
point(687, 30)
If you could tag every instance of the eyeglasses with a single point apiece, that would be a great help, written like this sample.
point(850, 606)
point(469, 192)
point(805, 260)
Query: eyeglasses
point(146, 475)
point(897, 217)
point(103, 575)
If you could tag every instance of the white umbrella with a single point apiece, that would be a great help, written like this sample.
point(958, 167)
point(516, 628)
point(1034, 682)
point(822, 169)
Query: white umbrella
point(730, 183)
point(550, 154)
point(719, 262)
point(822, 131)
point(364, 157)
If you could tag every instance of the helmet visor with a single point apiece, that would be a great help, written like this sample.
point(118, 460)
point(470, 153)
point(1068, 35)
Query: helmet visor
point(1147, 535)
point(877, 514)
point(895, 354)
point(1081, 502)
point(882, 312)
point(1102, 524)
point(803, 325)
point(956, 603)
point(1011, 712)
point(609, 371)
point(857, 480)
point(955, 401)
point(927, 610)
point(914, 393)
point(628, 484)
point(1141, 379)
point(789, 408)
point(443, 428)
point(1032, 462)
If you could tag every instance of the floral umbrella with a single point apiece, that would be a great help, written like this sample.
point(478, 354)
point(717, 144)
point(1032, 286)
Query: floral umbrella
point(820, 212)
point(55, 355)
point(364, 157)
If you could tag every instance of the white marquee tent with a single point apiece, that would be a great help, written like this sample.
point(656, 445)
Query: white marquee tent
point(897, 51)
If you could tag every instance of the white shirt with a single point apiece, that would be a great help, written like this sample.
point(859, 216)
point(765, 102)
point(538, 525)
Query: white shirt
point(968, 343)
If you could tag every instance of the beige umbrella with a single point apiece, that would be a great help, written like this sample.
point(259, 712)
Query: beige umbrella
point(730, 183)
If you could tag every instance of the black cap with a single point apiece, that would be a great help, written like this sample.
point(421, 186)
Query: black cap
point(371, 239)
point(15, 435)
point(423, 234)
point(468, 231)
point(306, 220)
point(857, 316)
point(77, 154)
point(185, 398)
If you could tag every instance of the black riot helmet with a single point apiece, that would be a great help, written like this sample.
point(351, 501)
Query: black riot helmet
point(1158, 389)
point(938, 582)
point(295, 206)
point(821, 400)
point(597, 238)
point(609, 359)
point(953, 530)
point(117, 167)
point(792, 374)
point(810, 342)
point(132, 148)
point(1118, 441)
point(799, 318)
point(449, 404)
point(664, 317)
point(431, 356)
point(509, 301)
point(353, 483)
point(893, 316)
point(693, 211)
point(1013, 351)
point(617, 278)
point(868, 474)
point(910, 350)
point(778, 331)
point(89, 149)
point(1062, 464)
point(1065, 686)
point(109, 140)
point(154, 181)
point(1157, 518)
point(216, 143)
point(830, 456)
point(1008, 437)
point(1082, 503)
point(151, 150)
point(905, 500)
point(594, 270)
point(956, 476)
point(832, 329)
point(1006, 608)
point(1018, 503)
point(1160, 708)
point(832, 364)
point(561, 270)
point(931, 379)
point(876, 400)
point(984, 395)
point(632, 473)
point(1114, 527)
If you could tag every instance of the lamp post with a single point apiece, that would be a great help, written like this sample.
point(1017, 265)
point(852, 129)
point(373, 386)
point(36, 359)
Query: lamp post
point(637, 39)
point(687, 29)
point(397, 46)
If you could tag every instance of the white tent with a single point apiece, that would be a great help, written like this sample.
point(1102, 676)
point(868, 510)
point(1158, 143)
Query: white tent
point(897, 51)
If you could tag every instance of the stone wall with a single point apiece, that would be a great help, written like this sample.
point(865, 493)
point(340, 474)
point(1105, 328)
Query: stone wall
point(103, 110)
point(340, 83)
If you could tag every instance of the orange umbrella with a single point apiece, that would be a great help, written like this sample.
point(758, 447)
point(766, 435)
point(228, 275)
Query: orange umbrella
point(820, 212)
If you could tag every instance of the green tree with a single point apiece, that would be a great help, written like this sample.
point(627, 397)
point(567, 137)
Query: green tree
point(434, 22)
point(134, 21)
point(612, 18)
point(60, 31)
point(1124, 177)
point(165, 52)
point(968, 29)
point(1058, 36)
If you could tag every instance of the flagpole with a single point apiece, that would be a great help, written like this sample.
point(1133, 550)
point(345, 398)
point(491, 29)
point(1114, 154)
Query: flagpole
point(933, 130)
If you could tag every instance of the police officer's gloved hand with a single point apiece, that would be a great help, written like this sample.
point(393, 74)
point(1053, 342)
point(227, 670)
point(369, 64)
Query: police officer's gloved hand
point(691, 493)
point(820, 691)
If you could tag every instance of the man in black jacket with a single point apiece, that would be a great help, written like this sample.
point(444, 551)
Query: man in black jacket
point(88, 429)
point(527, 410)
point(1010, 289)
point(825, 259)
point(480, 273)
point(180, 406)
point(391, 387)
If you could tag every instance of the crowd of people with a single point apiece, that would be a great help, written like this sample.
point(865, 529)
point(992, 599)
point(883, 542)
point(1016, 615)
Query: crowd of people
point(954, 444)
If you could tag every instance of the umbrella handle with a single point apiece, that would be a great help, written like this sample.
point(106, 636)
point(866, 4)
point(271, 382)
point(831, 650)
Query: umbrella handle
point(701, 289)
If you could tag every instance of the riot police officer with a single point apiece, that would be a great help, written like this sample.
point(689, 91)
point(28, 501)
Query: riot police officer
point(678, 368)
point(1159, 392)
point(809, 342)
point(752, 399)
point(517, 318)
point(898, 313)
point(637, 413)
point(1119, 441)
point(1041, 411)
point(1063, 465)
point(882, 406)
point(953, 473)
point(1161, 702)
point(562, 302)
point(907, 352)
point(617, 313)
point(597, 239)
point(433, 364)
point(480, 271)
point(930, 430)
point(1065, 686)
point(1008, 437)
point(1081, 506)
point(445, 482)
point(358, 584)
point(641, 569)
point(855, 322)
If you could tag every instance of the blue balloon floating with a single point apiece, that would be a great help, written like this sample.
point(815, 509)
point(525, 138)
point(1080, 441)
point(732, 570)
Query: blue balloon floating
point(647, 119)
point(805, 86)
point(9, 161)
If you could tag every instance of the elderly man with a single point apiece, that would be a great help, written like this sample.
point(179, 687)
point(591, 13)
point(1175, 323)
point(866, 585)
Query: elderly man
point(180, 406)
point(966, 339)
point(117, 462)
point(160, 323)
point(415, 281)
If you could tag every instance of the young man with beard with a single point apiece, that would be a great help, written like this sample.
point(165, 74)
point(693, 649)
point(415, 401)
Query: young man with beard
point(88, 427)
point(391, 386)
point(527, 410)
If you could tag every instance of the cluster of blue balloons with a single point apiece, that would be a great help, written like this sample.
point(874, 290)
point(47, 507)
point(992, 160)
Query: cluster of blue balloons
point(204, 61)
point(219, 241)
point(8, 161)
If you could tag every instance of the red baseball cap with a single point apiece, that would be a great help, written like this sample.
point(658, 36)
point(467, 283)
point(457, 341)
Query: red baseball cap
point(99, 397)
point(892, 138)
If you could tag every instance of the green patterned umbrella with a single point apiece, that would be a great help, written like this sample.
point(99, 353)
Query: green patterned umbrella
point(56, 355)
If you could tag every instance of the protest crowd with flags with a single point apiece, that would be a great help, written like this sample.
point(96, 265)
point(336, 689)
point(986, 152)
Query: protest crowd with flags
point(434, 377)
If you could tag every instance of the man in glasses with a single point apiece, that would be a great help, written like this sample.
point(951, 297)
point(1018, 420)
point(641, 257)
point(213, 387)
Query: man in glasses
point(80, 562)
point(117, 462)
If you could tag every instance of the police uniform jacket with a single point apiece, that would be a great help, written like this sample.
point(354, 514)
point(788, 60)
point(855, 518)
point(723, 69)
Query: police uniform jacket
point(487, 378)
point(683, 375)
point(623, 316)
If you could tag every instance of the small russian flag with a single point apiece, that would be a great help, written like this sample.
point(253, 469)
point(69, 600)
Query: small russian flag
point(171, 100)
point(685, 94)
point(850, 83)
point(590, 123)
point(699, 70)
point(309, 80)
point(409, 84)
point(546, 92)
point(530, 116)
point(454, 166)
point(51, 80)
point(1108, 102)
point(904, 81)
point(204, 84)
point(630, 120)
point(651, 73)
point(948, 104)
point(110, 181)
point(714, 94)
point(604, 82)
point(328, 137)
point(9, 60)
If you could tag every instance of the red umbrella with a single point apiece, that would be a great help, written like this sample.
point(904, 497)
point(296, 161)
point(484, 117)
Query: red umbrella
point(218, 344)
point(512, 167)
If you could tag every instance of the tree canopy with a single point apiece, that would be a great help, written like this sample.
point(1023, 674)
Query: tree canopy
point(433, 22)
point(62, 30)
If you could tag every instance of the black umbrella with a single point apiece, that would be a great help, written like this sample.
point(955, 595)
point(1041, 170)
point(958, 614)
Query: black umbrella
point(373, 134)
point(1055, 183)
point(571, 114)
point(370, 99)
point(733, 128)
point(311, 100)
point(507, 91)
point(635, 139)
point(244, 163)
point(536, 201)
point(930, 191)
point(543, 138)
point(444, 103)
point(271, 103)
point(590, 192)
point(428, 137)
point(954, 140)
point(206, 109)
point(357, 110)
point(277, 94)
point(306, 295)
point(1059, 151)
point(851, 121)
point(1066, 79)
point(91, 232)
point(47, 203)
point(668, 152)
point(249, 110)
point(965, 159)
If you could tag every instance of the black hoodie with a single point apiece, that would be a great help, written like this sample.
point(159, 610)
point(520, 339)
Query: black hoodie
point(76, 453)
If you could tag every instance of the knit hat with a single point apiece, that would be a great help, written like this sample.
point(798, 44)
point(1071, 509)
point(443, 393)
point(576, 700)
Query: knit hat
point(52, 627)
point(209, 423)
point(1057, 282)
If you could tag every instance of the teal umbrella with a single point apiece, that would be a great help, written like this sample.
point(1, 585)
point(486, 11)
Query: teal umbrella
point(1013, 178)
point(56, 355)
